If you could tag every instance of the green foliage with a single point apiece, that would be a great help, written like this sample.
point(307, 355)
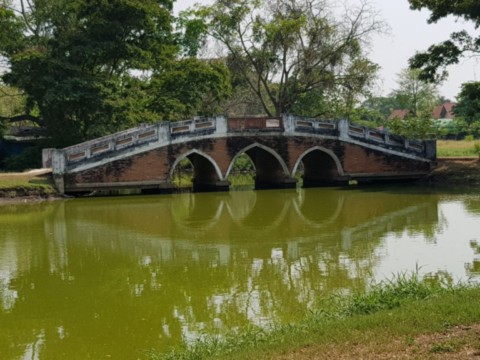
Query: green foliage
point(433, 62)
point(443, 348)
point(284, 50)
point(453, 129)
point(476, 148)
point(242, 173)
point(316, 104)
point(30, 158)
point(334, 318)
point(468, 102)
point(74, 61)
point(12, 102)
point(413, 127)
point(382, 105)
point(11, 29)
point(367, 117)
point(391, 294)
point(414, 94)
point(190, 87)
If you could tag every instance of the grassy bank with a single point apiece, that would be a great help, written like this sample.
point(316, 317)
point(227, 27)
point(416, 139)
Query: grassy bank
point(401, 317)
point(28, 184)
point(457, 148)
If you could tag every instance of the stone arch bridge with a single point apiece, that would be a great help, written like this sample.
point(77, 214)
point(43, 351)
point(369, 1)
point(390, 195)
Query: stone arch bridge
point(331, 152)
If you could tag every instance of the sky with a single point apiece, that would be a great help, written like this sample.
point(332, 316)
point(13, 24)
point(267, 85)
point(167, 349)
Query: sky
point(409, 33)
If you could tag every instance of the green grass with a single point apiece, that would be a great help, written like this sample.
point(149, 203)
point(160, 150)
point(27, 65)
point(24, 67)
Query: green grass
point(454, 148)
point(405, 306)
point(22, 184)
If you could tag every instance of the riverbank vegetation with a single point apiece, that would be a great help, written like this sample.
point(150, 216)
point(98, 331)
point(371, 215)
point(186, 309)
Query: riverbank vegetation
point(33, 184)
point(405, 316)
point(458, 148)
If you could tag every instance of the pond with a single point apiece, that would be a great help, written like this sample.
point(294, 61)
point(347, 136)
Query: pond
point(111, 277)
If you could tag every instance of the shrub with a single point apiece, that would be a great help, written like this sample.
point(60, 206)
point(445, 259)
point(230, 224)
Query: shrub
point(476, 148)
point(30, 158)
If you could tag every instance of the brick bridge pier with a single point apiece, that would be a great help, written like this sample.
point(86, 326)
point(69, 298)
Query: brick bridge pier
point(331, 152)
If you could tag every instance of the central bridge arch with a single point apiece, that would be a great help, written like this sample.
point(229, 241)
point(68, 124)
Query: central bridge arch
point(320, 167)
point(271, 170)
point(207, 175)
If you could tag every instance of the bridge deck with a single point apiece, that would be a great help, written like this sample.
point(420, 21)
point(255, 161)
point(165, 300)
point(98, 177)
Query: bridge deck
point(142, 139)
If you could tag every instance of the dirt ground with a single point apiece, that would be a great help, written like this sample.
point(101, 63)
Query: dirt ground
point(458, 343)
point(456, 171)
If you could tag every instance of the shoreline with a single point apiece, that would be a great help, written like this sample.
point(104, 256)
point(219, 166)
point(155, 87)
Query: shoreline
point(37, 185)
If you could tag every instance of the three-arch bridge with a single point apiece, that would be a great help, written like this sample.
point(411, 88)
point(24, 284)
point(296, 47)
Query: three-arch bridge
point(331, 152)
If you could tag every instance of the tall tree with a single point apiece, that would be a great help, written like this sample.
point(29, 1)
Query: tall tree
point(468, 104)
point(434, 61)
point(12, 103)
point(189, 87)
point(415, 94)
point(382, 104)
point(75, 60)
point(285, 49)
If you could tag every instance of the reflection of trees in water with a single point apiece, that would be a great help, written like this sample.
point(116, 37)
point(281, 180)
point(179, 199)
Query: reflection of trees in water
point(474, 267)
point(153, 269)
point(472, 203)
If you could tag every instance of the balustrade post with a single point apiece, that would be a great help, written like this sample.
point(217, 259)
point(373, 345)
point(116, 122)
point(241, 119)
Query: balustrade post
point(430, 149)
point(163, 132)
point(58, 169)
point(288, 123)
point(343, 126)
point(88, 152)
point(221, 126)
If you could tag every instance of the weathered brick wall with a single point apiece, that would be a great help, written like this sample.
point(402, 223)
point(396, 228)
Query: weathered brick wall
point(155, 165)
point(152, 165)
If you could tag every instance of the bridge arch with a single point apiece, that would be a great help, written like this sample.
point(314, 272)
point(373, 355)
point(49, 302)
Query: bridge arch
point(271, 170)
point(321, 167)
point(206, 172)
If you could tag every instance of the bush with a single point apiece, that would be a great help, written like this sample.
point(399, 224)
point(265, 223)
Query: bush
point(413, 128)
point(30, 158)
point(476, 148)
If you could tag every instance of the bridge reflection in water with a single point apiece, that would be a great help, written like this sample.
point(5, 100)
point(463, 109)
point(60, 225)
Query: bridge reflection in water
point(114, 276)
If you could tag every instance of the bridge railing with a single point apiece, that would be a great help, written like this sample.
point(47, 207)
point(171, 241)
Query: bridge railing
point(255, 124)
point(315, 126)
point(164, 133)
point(345, 130)
point(131, 138)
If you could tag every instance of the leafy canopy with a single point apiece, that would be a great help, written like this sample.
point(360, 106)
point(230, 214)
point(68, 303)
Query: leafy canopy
point(285, 49)
point(75, 60)
point(89, 68)
point(438, 56)
point(468, 103)
point(414, 94)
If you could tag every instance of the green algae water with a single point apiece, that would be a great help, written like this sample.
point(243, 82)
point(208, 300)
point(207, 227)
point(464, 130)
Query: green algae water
point(102, 278)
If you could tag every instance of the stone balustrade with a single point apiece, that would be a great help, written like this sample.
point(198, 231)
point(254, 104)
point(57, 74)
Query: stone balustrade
point(165, 133)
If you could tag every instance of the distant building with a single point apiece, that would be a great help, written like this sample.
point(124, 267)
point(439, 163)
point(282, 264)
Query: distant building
point(398, 114)
point(440, 112)
point(444, 111)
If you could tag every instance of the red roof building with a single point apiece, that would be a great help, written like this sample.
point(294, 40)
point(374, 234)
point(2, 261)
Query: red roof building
point(444, 111)
point(398, 114)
